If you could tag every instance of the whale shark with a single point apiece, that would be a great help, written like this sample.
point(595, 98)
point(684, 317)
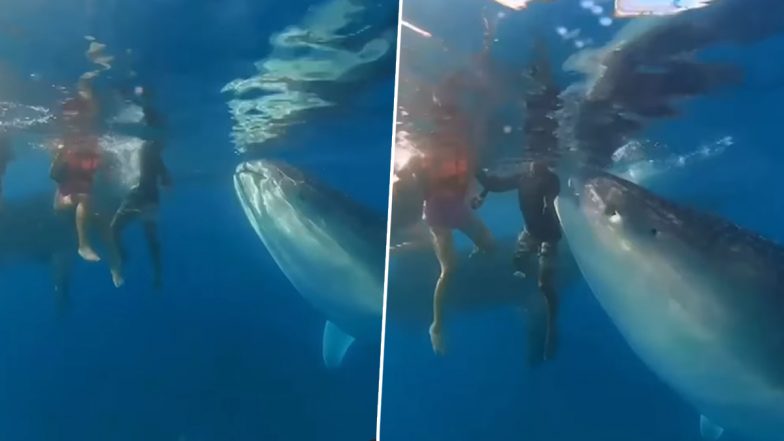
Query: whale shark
point(331, 248)
point(31, 232)
point(698, 299)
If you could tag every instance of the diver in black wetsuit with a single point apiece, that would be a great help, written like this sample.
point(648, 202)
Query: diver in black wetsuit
point(143, 200)
point(537, 188)
point(6, 156)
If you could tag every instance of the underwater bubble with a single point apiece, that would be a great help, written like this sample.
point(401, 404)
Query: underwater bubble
point(605, 21)
point(507, 129)
point(587, 4)
point(562, 31)
point(680, 161)
point(597, 10)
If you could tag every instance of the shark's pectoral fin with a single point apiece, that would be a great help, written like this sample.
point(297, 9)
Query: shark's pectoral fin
point(709, 430)
point(335, 345)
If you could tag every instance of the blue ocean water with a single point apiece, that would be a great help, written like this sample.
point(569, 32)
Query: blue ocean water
point(227, 349)
point(719, 154)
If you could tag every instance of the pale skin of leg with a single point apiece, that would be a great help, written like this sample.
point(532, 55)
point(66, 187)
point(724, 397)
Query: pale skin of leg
point(443, 241)
point(82, 203)
point(121, 219)
point(444, 248)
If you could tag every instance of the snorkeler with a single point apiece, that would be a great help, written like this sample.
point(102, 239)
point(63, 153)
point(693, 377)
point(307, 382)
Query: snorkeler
point(76, 162)
point(143, 200)
point(6, 156)
point(444, 175)
point(537, 188)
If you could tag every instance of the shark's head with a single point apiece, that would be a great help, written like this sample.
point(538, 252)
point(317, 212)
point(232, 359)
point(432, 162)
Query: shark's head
point(619, 212)
point(331, 248)
point(699, 299)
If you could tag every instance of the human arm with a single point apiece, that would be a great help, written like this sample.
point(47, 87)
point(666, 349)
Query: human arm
point(497, 182)
point(57, 169)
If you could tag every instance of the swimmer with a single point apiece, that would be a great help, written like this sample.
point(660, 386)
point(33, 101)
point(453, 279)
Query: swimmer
point(142, 202)
point(6, 156)
point(444, 177)
point(75, 163)
point(537, 187)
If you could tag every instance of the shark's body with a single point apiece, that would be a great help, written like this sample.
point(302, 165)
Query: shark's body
point(331, 248)
point(480, 282)
point(699, 299)
point(31, 231)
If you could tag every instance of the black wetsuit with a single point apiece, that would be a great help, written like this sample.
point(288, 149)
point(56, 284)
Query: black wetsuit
point(536, 195)
point(142, 202)
point(153, 172)
point(537, 191)
point(6, 155)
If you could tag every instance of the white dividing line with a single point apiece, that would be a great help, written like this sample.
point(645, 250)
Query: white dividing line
point(389, 216)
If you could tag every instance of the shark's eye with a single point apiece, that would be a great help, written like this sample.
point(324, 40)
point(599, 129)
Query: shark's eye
point(654, 232)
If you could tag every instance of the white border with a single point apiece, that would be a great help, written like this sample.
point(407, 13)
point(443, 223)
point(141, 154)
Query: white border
point(389, 220)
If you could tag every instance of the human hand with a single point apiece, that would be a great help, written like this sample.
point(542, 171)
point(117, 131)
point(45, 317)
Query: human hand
point(477, 202)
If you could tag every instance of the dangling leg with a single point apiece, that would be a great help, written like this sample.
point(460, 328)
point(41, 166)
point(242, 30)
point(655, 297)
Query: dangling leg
point(547, 257)
point(480, 235)
point(82, 214)
point(119, 222)
point(444, 247)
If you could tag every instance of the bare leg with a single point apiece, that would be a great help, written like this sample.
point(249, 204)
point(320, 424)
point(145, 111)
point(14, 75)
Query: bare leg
point(82, 214)
point(477, 231)
point(150, 232)
point(119, 222)
point(444, 247)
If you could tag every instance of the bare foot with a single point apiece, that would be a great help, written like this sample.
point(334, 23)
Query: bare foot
point(437, 340)
point(117, 278)
point(88, 254)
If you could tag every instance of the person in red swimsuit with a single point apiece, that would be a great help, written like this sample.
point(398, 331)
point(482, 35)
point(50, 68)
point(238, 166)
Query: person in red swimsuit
point(444, 176)
point(75, 163)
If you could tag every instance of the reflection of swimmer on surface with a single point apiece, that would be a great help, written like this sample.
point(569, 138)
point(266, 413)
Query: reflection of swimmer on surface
point(6, 156)
point(444, 176)
point(537, 187)
point(142, 202)
point(75, 164)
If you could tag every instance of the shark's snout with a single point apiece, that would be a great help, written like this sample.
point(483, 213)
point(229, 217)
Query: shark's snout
point(272, 173)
